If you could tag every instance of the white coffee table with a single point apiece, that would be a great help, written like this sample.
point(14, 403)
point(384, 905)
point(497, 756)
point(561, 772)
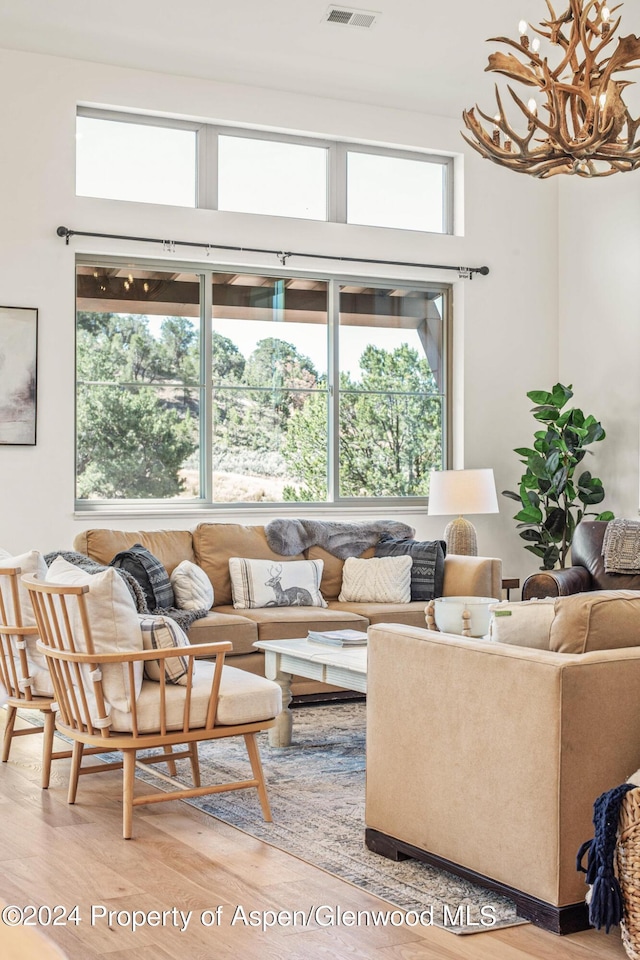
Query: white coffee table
point(341, 666)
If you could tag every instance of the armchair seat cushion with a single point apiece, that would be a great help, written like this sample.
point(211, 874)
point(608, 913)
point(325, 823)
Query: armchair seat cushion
point(244, 698)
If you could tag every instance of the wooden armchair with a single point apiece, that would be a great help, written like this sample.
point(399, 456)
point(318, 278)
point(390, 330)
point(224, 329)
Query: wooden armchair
point(216, 701)
point(17, 674)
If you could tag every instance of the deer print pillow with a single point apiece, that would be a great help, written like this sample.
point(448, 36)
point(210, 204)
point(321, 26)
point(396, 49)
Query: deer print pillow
point(265, 583)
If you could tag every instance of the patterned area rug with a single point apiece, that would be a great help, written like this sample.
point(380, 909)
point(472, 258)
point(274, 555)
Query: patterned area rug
point(316, 792)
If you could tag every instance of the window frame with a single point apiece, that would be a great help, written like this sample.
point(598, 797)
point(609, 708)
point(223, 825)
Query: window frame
point(207, 135)
point(334, 281)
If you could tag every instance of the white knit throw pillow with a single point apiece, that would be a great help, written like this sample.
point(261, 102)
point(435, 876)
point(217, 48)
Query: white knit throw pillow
point(377, 580)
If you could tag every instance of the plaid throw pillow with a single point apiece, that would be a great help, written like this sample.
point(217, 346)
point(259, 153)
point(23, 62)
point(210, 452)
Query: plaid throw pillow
point(427, 570)
point(160, 633)
point(150, 574)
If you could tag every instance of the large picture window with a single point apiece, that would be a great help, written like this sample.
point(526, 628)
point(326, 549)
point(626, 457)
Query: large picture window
point(213, 387)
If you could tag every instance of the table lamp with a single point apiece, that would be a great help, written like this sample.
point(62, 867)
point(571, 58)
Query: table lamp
point(458, 492)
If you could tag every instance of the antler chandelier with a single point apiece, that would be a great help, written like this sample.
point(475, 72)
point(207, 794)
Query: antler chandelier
point(576, 119)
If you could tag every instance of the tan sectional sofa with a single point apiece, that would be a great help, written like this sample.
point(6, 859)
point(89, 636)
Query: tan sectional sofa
point(210, 545)
point(486, 758)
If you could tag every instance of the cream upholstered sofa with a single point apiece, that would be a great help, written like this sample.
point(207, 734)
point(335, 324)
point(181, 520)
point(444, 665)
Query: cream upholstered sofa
point(210, 545)
point(486, 758)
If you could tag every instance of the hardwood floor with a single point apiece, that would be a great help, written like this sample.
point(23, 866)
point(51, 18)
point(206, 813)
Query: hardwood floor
point(54, 854)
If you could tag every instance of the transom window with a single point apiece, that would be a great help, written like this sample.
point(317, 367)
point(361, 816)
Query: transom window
point(211, 386)
point(122, 156)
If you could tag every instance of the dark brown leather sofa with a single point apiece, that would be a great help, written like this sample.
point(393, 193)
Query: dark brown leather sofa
point(585, 573)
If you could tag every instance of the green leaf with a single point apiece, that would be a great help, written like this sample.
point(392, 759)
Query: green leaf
point(555, 523)
point(576, 417)
point(591, 497)
point(511, 495)
point(560, 481)
point(553, 461)
point(545, 413)
point(538, 466)
point(561, 394)
point(538, 551)
point(540, 396)
point(594, 433)
point(607, 515)
point(529, 482)
point(532, 535)
point(529, 514)
point(533, 498)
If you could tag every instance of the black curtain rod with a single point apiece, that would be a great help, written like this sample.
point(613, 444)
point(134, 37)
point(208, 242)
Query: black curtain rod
point(282, 255)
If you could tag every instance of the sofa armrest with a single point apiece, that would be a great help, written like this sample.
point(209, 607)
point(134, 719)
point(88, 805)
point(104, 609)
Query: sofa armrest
point(472, 576)
point(491, 756)
point(557, 583)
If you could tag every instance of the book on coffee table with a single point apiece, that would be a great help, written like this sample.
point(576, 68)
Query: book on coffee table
point(338, 638)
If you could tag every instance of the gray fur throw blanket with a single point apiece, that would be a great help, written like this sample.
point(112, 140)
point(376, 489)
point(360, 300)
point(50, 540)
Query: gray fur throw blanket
point(288, 537)
point(184, 618)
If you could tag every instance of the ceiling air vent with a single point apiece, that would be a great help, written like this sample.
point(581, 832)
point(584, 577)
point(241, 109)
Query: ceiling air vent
point(351, 18)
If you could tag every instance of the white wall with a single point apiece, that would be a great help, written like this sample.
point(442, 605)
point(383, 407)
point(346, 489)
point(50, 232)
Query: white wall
point(505, 324)
point(600, 323)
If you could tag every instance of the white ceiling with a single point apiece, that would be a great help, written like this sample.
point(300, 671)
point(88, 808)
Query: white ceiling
point(420, 55)
point(424, 55)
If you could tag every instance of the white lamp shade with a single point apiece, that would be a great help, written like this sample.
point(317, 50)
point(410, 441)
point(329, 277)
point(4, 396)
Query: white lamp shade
point(454, 492)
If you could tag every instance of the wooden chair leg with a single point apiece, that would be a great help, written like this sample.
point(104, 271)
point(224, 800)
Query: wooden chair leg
point(128, 778)
point(195, 763)
point(76, 763)
point(47, 747)
point(8, 732)
point(256, 766)
point(171, 764)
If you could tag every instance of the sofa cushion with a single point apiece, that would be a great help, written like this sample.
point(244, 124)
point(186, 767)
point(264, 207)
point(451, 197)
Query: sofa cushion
point(411, 614)
point(191, 587)
point(427, 568)
point(225, 624)
point(31, 562)
point(378, 580)
point(169, 546)
point(160, 633)
point(597, 620)
point(115, 627)
point(244, 698)
point(216, 543)
point(288, 623)
point(524, 624)
point(263, 583)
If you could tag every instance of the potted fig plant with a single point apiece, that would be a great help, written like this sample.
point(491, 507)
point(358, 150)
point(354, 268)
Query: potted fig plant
point(552, 499)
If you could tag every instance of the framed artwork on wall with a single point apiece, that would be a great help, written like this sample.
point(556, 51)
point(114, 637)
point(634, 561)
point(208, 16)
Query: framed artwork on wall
point(18, 374)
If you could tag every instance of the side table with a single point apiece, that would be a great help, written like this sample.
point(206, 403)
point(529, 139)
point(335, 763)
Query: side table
point(509, 584)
